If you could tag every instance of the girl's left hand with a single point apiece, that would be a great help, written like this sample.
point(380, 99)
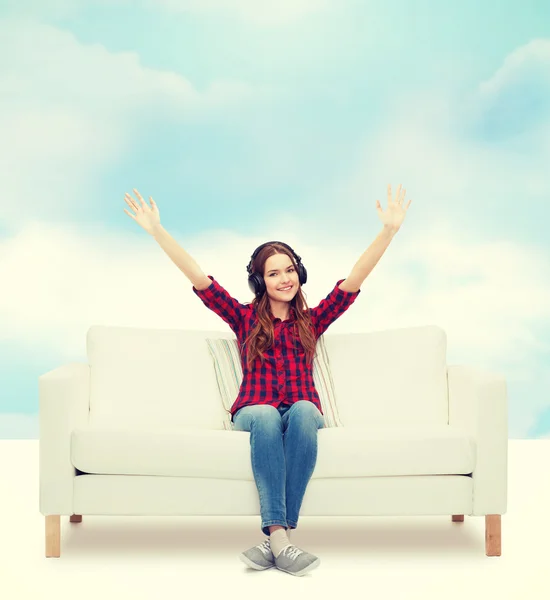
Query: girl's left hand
point(394, 216)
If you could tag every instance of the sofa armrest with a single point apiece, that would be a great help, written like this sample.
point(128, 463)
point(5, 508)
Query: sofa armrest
point(63, 405)
point(478, 403)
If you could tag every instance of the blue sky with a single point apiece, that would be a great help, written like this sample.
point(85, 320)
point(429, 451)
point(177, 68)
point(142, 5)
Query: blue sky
point(285, 120)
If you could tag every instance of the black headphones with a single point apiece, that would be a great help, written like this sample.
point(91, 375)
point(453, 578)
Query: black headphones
point(256, 281)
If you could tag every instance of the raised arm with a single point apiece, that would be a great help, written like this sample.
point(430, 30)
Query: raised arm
point(149, 218)
point(184, 261)
point(392, 220)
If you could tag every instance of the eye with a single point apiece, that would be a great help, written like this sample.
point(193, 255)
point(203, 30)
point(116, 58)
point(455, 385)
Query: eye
point(289, 269)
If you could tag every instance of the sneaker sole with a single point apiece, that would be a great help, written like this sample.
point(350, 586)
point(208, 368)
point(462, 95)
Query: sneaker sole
point(305, 570)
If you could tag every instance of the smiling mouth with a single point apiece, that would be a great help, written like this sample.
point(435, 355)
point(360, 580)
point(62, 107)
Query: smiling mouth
point(285, 290)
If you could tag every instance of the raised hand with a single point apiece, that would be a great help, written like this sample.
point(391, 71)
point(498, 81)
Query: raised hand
point(147, 217)
point(395, 214)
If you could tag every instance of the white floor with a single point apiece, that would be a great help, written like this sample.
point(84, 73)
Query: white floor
point(186, 557)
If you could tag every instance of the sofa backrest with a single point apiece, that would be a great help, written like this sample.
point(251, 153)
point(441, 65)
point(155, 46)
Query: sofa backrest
point(159, 378)
point(164, 378)
point(390, 377)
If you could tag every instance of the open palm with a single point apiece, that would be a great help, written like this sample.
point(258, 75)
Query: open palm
point(394, 215)
point(147, 217)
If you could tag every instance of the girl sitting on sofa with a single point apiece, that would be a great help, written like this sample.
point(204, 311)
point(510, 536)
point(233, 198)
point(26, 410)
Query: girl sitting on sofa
point(277, 401)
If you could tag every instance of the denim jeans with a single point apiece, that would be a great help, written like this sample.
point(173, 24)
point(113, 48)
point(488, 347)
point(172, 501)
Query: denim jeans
point(283, 444)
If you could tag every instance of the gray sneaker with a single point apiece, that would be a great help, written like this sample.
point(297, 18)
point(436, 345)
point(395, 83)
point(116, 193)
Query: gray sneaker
point(259, 557)
point(295, 561)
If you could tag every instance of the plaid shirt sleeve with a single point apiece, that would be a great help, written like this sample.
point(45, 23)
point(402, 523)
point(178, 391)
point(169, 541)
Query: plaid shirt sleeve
point(218, 299)
point(331, 307)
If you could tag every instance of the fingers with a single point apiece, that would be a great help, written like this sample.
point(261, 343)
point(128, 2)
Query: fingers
point(130, 202)
point(399, 196)
point(139, 197)
point(402, 196)
point(128, 198)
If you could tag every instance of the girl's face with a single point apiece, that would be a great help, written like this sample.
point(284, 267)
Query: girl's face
point(279, 272)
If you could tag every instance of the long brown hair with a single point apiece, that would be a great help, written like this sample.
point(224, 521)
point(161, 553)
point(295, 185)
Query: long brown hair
point(262, 335)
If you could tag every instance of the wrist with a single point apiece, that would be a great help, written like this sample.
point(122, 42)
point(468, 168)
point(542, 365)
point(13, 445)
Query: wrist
point(389, 230)
point(155, 230)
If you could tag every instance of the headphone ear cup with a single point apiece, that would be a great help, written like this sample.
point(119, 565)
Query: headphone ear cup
point(256, 284)
point(252, 283)
point(260, 284)
point(302, 274)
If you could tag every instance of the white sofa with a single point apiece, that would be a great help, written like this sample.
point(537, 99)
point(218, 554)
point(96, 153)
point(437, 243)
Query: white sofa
point(138, 431)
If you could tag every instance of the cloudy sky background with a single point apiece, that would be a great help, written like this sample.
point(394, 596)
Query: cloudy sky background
point(251, 121)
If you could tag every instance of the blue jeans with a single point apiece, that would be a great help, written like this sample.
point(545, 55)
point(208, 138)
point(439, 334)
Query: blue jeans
point(283, 444)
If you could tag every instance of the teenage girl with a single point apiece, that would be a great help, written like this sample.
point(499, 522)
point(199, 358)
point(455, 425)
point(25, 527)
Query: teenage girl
point(277, 401)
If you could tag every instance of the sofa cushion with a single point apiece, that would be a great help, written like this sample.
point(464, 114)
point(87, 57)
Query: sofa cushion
point(391, 377)
point(229, 375)
point(342, 452)
point(153, 378)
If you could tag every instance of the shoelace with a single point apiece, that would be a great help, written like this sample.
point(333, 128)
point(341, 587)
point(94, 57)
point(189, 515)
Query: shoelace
point(265, 547)
point(292, 551)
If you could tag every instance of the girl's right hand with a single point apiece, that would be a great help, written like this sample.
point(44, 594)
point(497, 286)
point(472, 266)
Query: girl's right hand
point(148, 218)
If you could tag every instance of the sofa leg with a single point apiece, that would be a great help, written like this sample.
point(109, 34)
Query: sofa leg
point(458, 518)
point(76, 519)
point(53, 536)
point(493, 535)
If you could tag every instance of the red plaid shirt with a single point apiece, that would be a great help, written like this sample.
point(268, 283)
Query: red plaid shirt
point(284, 377)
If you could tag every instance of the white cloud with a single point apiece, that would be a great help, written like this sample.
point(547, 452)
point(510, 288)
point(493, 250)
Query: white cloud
point(513, 107)
point(68, 109)
point(519, 64)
